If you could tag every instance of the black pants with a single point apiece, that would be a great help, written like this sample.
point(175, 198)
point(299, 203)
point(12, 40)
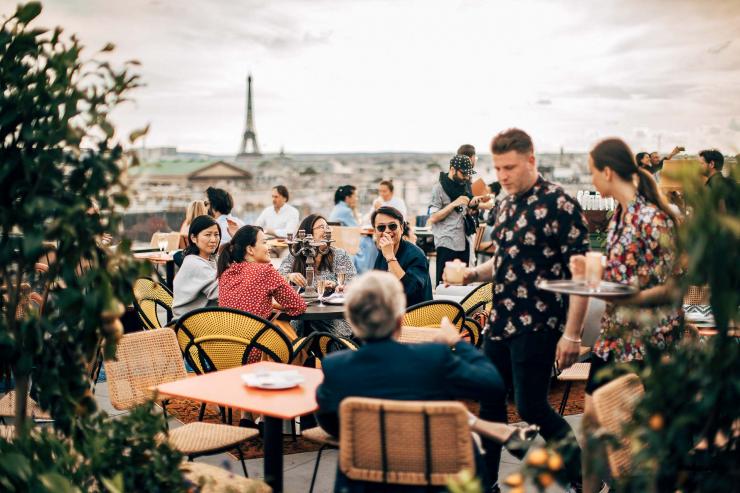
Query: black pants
point(525, 363)
point(446, 255)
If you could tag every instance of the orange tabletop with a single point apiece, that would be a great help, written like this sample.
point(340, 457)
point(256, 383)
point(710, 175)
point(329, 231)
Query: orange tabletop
point(156, 257)
point(226, 388)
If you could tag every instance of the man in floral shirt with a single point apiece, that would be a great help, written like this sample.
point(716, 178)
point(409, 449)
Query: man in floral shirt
point(538, 228)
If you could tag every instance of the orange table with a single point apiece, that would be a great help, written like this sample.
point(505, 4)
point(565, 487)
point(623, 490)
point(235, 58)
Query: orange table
point(225, 388)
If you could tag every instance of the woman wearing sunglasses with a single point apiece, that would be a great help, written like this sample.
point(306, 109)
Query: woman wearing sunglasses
point(400, 257)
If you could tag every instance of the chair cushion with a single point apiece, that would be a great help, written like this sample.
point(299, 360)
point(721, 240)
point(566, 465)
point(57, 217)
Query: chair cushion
point(201, 438)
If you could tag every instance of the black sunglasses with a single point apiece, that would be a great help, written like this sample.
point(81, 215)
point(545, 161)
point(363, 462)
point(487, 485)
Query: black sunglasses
point(391, 227)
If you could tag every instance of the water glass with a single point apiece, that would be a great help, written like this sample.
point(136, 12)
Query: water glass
point(321, 289)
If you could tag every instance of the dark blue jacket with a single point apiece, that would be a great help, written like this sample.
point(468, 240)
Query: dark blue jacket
point(416, 283)
point(386, 369)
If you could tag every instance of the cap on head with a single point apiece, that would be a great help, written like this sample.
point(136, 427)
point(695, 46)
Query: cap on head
point(462, 163)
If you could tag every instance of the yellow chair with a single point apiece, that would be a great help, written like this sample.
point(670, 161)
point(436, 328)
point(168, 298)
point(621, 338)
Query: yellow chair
point(312, 348)
point(150, 358)
point(150, 295)
point(405, 443)
point(431, 313)
point(477, 298)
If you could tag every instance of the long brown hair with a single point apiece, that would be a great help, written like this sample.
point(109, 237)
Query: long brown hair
point(616, 154)
point(327, 258)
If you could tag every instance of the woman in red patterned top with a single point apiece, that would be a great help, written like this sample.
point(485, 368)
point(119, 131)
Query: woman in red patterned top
point(640, 251)
point(247, 280)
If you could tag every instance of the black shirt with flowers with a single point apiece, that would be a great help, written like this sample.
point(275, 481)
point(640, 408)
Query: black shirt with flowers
point(535, 234)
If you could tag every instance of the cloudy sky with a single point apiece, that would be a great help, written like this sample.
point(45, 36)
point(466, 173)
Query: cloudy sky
point(422, 75)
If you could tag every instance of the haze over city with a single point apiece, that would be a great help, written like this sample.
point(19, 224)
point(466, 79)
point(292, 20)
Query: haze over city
point(406, 75)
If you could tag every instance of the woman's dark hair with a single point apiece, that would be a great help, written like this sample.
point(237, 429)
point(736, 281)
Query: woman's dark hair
point(343, 192)
point(616, 154)
point(220, 200)
point(392, 212)
point(327, 258)
point(236, 249)
point(199, 224)
point(282, 190)
point(639, 156)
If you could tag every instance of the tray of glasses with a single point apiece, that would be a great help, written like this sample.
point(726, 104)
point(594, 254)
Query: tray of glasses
point(604, 289)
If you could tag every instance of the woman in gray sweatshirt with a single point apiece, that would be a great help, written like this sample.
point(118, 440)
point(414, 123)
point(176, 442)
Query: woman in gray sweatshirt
point(196, 285)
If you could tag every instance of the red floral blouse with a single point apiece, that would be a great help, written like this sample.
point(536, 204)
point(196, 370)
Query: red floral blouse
point(251, 286)
point(640, 252)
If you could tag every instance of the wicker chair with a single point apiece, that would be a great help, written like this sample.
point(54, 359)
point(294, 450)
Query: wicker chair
point(150, 358)
point(431, 313)
point(477, 298)
point(472, 331)
point(318, 435)
point(576, 373)
point(316, 345)
point(696, 295)
point(218, 338)
point(148, 296)
point(33, 410)
point(410, 443)
point(212, 479)
point(614, 404)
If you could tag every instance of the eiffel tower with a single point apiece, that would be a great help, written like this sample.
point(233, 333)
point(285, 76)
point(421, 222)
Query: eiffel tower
point(250, 135)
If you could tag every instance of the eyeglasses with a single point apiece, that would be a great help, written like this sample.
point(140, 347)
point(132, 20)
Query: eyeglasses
point(391, 227)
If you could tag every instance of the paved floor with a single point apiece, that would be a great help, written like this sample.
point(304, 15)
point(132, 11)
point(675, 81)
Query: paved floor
point(298, 468)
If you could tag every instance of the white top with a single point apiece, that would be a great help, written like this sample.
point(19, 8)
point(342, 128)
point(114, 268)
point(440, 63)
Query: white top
point(283, 221)
point(396, 203)
point(222, 221)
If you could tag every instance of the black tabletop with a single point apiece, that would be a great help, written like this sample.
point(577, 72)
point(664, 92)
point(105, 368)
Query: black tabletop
point(316, 312)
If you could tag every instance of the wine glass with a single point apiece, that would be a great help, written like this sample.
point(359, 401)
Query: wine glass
point(162, 243)
point(340, 280)
point(321, 289)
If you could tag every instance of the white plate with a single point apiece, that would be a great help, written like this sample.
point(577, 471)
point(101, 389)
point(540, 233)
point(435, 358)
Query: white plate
point(334, 300)
point(275, 380)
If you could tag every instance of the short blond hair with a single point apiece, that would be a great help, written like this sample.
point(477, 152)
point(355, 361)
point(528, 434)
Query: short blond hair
point(373, 304)
point(195, 209)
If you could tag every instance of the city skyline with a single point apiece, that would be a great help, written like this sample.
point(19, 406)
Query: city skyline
point(382, 76)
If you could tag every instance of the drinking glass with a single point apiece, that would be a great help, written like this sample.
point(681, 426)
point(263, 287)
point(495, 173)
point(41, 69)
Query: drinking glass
point(340, 280)
point(321, 289)
point(162, 243)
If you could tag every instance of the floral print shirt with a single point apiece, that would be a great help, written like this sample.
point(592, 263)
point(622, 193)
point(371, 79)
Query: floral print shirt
point(534, 236)
point(640, 252)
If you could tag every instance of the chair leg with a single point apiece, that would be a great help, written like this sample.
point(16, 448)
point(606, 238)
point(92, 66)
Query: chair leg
point(566, 393)
point(316, 468)
point(222, 410)
point(202, 412)
point(231, 417)
point(241, 458)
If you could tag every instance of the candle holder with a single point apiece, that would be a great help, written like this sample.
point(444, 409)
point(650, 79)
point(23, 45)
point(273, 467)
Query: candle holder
point(308, 246)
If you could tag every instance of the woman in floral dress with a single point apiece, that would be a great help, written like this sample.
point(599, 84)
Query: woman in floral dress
point(640, 251)
point(328, 263)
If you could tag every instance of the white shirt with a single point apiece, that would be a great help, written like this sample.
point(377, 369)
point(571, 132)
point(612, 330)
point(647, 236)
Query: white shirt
point(396, 203)
point(283, 221)
point(222, 221)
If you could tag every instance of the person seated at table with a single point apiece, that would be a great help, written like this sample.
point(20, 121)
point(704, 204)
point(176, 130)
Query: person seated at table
point(345, 213)
point(247, 280)
point(195, 284)
point(195, 209)
point(329, 262)
point(384, 368)
point(401, 258)
point(220, 203)
point(280, 218)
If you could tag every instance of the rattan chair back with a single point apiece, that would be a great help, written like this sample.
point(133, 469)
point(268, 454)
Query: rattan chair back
point(431, 313)
point(148, 296)
point(218, 338)
point(143, 360)
point(409, 443)
point(472, 331)
point(614, 404)
point(316, 345)
point(477, 298)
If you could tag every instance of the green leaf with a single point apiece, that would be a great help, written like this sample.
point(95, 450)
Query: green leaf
point(137, 134)
point(114, 484)
point(17, 465)
point(57, 483)
point(27, 13)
